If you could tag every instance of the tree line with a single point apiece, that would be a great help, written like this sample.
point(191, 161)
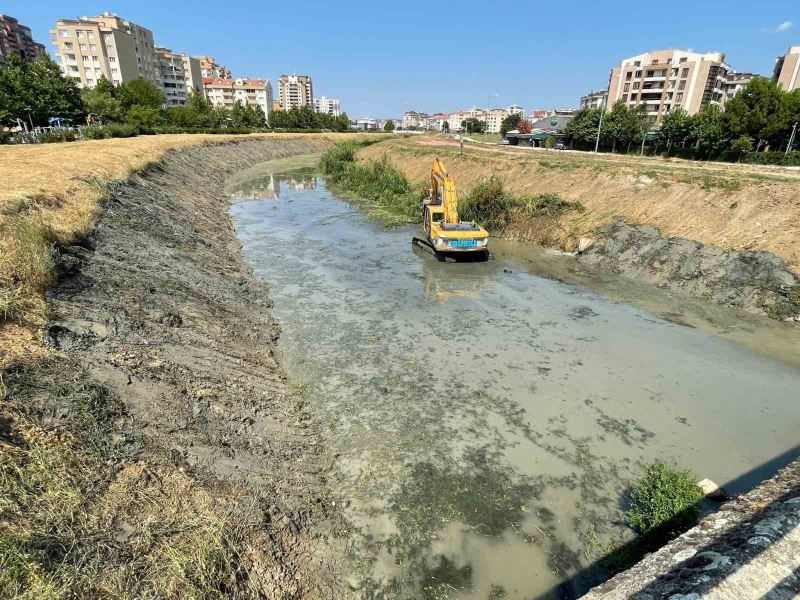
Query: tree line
point(35, 91)
point(760, 117)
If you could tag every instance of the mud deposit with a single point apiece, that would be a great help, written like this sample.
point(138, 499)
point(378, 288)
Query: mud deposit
point(487, 416)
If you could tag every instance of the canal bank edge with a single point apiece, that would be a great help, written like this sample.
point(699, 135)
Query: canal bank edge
point(156, 308)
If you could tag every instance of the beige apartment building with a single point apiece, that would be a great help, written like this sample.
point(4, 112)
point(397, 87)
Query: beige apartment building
point(295, 91)
point(668, 79)
point(226, 92)
point(787, 69)
point(179, 75)
point(92, 47)
point(210, 68)
point(17, 39)
point(594, 99)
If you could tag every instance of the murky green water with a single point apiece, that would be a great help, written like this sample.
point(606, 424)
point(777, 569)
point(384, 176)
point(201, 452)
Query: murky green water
point(487, 415)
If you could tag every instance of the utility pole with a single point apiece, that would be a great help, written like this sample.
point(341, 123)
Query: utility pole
point(791, 141)
point(600, 126)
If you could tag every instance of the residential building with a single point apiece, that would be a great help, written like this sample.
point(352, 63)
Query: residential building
point(105, 46)
point(414, 120)
point(539, 113)
point(594, 99)
point(494, 119)
point(251, 92)
point(365, 124)
point(436, 121)
point(179, 74)
point(17, 39)
point(736, 82)
point(787, 69)
point(210, 68)
point(516, 109)
point(295, 91)
point(667, 79)
point(327, 106)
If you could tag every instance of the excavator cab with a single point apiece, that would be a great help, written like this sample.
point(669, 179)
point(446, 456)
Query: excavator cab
point(445, 232)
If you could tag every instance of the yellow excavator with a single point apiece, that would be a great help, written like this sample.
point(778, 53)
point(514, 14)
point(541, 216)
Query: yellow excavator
point(445, 233)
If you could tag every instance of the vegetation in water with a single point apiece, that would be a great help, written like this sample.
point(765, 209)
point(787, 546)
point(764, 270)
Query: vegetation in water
point(663, 495)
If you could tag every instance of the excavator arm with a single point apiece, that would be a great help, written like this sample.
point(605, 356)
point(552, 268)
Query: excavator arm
point(443, 190)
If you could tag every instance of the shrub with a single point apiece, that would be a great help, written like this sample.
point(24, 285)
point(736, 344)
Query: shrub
point(489, 204)
point(121, 131)
point(94, 132)
point(663, 496)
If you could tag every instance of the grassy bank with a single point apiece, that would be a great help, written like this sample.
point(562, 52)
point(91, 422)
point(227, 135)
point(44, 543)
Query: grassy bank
point(390, 197)
point(736, 207)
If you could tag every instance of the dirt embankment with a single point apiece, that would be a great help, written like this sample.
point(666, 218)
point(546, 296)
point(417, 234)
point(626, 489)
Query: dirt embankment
point(736, 221)
point(199, 471)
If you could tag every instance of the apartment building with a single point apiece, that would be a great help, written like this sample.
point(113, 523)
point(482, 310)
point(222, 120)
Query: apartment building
point(667, 79)
point(226, 92)
point(515, 109)
point(494, 118)
point(327, 106)
point(594, 99)
point(17, 39)
point(210, 68)
point(179, 74)
point(736, 82)
point(92, 47)
point(295, 91)
point(413, 119)
point(787, 69)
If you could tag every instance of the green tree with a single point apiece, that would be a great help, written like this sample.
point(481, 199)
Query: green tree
point(582, 128)
point(709, 129)
point(388, 126)
point(676, 126)
point(144, 118)
point(625, 124)
point(473, 125)
point(742, 145)
point(760, 111)
point(102, 101)
point(140, 92)
point(509, 123)
point(37, 90)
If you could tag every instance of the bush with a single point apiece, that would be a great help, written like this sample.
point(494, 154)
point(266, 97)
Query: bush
point(663, 496)
point(94, 132)
point(121, 131)
point(489, 204)
point(772, 158)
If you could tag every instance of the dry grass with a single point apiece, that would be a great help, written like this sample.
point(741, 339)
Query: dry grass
point(50, 196)
point(742, 207)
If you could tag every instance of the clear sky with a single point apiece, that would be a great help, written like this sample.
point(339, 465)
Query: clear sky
point(381, 59)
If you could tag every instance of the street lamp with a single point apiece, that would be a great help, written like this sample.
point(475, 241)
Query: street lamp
point(600, 125)
point(791, 141)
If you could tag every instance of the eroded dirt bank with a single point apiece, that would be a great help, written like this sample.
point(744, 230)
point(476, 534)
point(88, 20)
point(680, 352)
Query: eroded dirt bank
point(722, 233)
point(192, 411)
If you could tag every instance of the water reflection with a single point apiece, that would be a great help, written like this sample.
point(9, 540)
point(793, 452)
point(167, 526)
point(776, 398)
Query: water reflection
point(268, 187)
point(487, 415)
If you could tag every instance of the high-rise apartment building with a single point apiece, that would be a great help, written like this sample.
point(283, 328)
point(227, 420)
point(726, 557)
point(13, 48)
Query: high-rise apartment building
point(666, 79)
point(92, 47)
point(493, 118)
point(226, 92)
point(594, 99)
point(210, 68)
point(327, 106)
point(295, 91)
point(179, 74)
point(787, 69)
point(736, 82)
point(17, 39)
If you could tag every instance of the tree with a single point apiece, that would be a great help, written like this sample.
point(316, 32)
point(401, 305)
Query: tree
point(473, 125)
point(676, 126)
point(388, 126)
point(625, 124)
point(144, 118)
point(102, 101)
point(760, 110)
point(582, 128)
point(742, 145)
point(524, 126)
point(709, 129)
point(37, 90)
point(509, 123)
point(140, 92)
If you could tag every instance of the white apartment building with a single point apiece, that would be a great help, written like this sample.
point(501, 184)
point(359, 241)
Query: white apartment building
point(226, 92)
point(516, 109)
point(594, 99)
point(667, 79)
point(179, 75)
point(494, 118)
point(327, 106)
point(413, 119)
point(107, 46)
point(295, 91)
point(735, 83)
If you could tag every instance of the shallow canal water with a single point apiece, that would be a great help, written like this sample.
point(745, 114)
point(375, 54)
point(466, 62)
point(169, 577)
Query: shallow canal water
point(487, 416)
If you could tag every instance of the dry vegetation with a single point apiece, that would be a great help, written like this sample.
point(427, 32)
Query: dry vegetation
point(732, 206)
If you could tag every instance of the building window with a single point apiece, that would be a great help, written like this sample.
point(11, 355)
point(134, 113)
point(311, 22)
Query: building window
point(627, 87)
point(634, 97)
point(90, 34)
point(85, 59)
point(682, 85)
point(109, 48)
point(655, 61)
point(79, 34)
point(679, 97)
point(90, 82)
point(68, 45)
point(624, 98)
point(637, 64)
point(63, 33)
point(93, 47)
point(636, 85)
point(685, 73)
point(112, 59)
point(638, 74)
point(70, 57)
point(683, 60)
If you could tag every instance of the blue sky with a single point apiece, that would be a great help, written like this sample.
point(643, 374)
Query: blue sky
point(383, 59)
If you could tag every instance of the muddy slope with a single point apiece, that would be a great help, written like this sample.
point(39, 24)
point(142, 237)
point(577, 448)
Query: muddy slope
point(159, 309)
